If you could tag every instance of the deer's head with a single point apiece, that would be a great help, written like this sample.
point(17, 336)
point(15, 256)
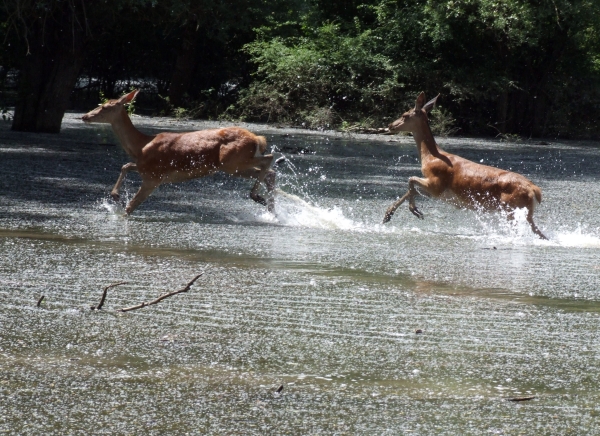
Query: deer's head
point(412, 120)
point(109, 111)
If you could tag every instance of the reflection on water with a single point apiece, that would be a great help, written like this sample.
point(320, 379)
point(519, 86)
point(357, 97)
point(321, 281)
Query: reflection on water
point(320, 298)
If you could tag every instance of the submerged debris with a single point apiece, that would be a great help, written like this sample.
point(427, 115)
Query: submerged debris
point(516, 399)
point(101, 303)
point(162, 297)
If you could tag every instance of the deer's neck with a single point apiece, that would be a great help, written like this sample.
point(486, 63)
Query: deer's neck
point(426, 145)
point(130, 138)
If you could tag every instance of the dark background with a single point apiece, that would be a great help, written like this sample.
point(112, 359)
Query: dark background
point(516, 67)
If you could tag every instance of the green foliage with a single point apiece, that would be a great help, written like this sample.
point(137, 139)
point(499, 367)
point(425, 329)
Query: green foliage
point(509, 67)
point(312, 78)
point(180, 113)
point(528, 68)
point(442, 123)
point(103, 99)
point(130, 106)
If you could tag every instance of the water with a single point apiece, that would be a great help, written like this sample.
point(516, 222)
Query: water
point(321, 299)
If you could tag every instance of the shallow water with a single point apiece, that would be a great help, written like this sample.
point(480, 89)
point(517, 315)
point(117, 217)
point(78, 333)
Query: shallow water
point(321, 299)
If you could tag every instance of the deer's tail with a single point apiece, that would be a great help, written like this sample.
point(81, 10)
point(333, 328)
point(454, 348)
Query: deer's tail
point(261, 145)
point(538, 194)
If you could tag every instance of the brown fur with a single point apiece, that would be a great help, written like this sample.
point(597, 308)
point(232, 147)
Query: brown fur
point(460, 181)
point(177, 157)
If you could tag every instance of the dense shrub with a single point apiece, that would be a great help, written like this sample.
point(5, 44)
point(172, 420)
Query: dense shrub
point(322, 79)
point(514, 66)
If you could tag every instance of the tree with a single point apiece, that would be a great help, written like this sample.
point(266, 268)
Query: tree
point(54, 36)
point(510, 66)
point(209, 35)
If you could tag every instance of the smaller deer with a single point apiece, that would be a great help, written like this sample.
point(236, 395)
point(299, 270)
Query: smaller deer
point(457, 180)
point(176, 157)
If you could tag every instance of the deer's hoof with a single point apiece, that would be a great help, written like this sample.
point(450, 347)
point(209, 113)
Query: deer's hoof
point(416, 212)
point(387, 218)
point(258, 199)
point(115, 196)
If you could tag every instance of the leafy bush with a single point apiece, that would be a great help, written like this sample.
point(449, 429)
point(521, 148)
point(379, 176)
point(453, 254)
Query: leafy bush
point(509, 67)
point(322, 79)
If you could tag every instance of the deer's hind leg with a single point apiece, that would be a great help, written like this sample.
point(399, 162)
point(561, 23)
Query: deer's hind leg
point(148, 186)
point(530, 208)
point(424, 184)
point(534, 228)
point(262, 172)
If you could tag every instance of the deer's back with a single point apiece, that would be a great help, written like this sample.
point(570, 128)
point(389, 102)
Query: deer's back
point(474, 184)
point(198, 153)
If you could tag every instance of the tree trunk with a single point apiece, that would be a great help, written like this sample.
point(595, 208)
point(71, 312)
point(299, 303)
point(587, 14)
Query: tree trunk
point(184, 67)
point(49, 72)
point(502, 111)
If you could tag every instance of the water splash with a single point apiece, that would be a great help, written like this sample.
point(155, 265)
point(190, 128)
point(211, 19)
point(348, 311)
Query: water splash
point(496, 228)
point(115, 209)
point(580, 237)
point(294, 211)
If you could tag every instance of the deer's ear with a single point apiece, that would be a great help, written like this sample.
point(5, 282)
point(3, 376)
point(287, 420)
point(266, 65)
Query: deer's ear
point(430, 104)
point(128, 98)
point(420, 101)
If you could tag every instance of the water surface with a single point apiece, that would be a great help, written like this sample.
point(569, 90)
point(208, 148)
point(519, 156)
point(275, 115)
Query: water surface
point(321, 299)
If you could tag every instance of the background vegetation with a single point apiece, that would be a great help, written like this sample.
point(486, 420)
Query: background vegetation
point(512, 67)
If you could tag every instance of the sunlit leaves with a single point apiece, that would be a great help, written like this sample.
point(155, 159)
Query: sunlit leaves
point(323, 68)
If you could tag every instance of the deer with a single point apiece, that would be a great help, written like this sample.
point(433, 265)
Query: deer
point(459, 181)
point(176, 157)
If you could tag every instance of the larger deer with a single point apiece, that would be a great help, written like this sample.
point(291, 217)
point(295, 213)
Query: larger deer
point(176, 157)
point(457, 180)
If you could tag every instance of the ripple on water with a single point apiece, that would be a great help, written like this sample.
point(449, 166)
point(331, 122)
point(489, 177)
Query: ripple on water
point(409, 327)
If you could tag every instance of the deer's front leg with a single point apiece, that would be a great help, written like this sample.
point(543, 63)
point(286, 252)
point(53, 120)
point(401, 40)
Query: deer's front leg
point(390, 212)
point(124, 170)
point(421, 183)
point(410, 195)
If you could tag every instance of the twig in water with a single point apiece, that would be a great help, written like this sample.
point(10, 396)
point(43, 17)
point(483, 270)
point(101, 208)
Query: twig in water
point(162, 297)
point(521, 398)
point(99, 306)
point(39, 303)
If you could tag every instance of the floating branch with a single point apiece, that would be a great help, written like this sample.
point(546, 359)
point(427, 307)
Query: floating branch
point(162, 297)
point(521, 398)
point(39, 303)
point(99, 306)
